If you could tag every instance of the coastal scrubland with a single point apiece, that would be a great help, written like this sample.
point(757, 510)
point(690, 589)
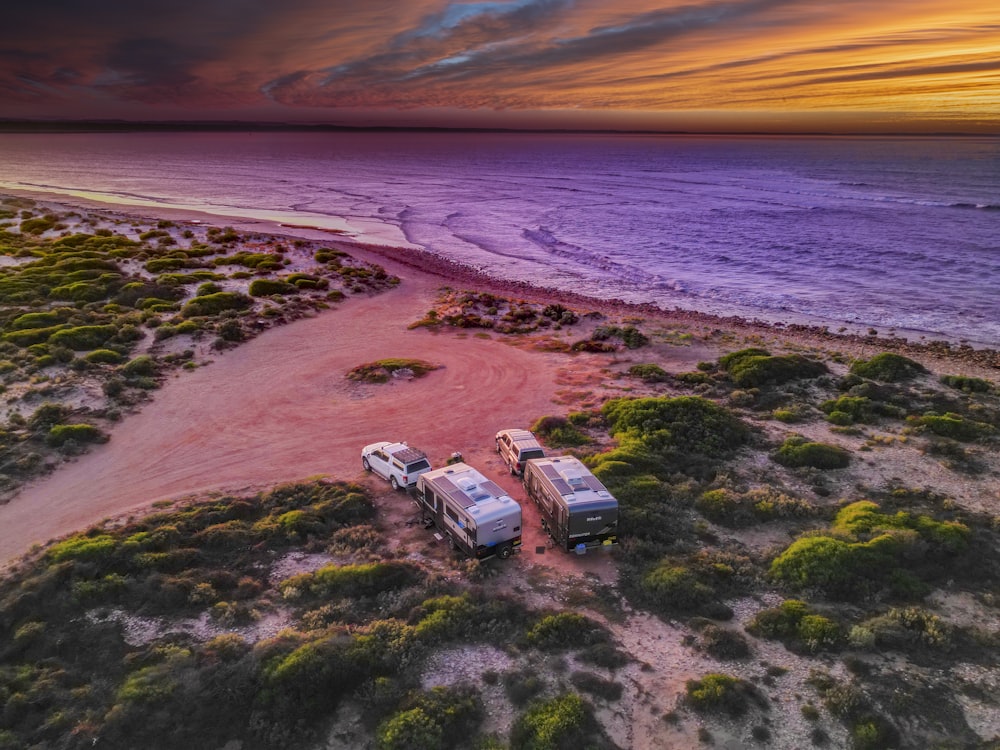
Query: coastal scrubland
point(809, 556)
point(96, 311)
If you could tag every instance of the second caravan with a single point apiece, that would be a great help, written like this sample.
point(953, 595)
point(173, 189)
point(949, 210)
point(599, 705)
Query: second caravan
point(577, 510)
point(475, 514)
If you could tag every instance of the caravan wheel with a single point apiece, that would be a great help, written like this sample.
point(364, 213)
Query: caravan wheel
point(505, 551)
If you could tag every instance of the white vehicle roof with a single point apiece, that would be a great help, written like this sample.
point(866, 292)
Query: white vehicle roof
point(402, 451)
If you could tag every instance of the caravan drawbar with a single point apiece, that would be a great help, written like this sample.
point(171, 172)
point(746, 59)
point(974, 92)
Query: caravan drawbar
point(577, 510)
point(474, 514)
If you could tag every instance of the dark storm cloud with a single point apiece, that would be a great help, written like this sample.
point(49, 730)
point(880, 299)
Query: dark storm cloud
point(154, 62)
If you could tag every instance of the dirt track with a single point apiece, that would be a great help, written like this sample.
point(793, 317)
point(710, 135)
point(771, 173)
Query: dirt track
point(280, 408)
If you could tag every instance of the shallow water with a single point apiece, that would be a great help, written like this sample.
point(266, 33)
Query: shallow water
point(882, 232)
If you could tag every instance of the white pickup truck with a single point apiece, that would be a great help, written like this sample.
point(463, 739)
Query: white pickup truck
point(397, 462)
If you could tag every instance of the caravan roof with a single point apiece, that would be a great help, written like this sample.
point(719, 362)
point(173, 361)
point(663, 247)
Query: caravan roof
point(572, 479)
point(468, 488)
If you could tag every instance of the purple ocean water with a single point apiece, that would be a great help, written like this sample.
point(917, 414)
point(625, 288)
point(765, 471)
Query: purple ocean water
point(891, 233)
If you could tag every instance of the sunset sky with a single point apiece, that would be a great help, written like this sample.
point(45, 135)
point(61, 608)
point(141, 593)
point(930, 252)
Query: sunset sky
point(781, 65)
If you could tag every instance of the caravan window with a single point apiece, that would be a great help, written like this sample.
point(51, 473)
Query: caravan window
point(451, 514)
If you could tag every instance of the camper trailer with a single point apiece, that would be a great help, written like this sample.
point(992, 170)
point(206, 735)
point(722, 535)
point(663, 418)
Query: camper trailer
point(577, 510)
point(473, 513)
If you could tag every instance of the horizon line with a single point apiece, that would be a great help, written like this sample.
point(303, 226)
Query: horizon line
point(28, 126)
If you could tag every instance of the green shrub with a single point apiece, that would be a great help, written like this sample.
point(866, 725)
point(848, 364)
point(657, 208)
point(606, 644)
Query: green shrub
point(850, 409)
point(589, 682)
point(722, 643)
point(955, 426)
point(649, 373)
point(83, 547)
point(267, 287)
point(839, 568)
point(382, 370)
point(559, 432)
point(213, 304)
point(872, 550)
point(675, 587)
point(863, 520)
point(46, 416)
point(37, 225)
point(82, 338)
point(753, 367)
point(888, 367)
point(730, 508)
point(565, 630)
point(720, 692)
point(442, 717)
point(31, 336)
point(38, 319)
point(362, 579)
point(142, 366)
point(909, 629)
point(561, 722)
point(104, 357)
point(60, 434)
point(520, 687)
point(964, 383)
point(796, 451)
point(661, 436)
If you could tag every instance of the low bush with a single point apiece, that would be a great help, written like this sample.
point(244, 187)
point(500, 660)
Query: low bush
point(904, 629)
point(588, 682)
point(442, 717)
point(60, 434)
point(794, 623)
point(104, 357)
point(677, 588)
point(213, 304)
point(871, 551)
point(565, 630)
point(888, 367)
point(964, 383)
point(562, 722)
point(649, 373)
point(796, 451)
point(559, 432)
point(382, 370)
point(716, 692)
point(722, 643)
point(142, 366)
point(954, 426)
point(737, 509)
point(754, 367)
point(267, 287)
point(521, 687)
point(664, 436)
point(349, 581)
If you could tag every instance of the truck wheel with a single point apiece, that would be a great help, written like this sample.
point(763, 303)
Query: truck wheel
point(364, 463)
point(505, 551)
point(513, 471)
point(394, 483)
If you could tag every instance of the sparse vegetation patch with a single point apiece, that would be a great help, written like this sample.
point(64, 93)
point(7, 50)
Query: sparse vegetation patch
point(383, 370)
